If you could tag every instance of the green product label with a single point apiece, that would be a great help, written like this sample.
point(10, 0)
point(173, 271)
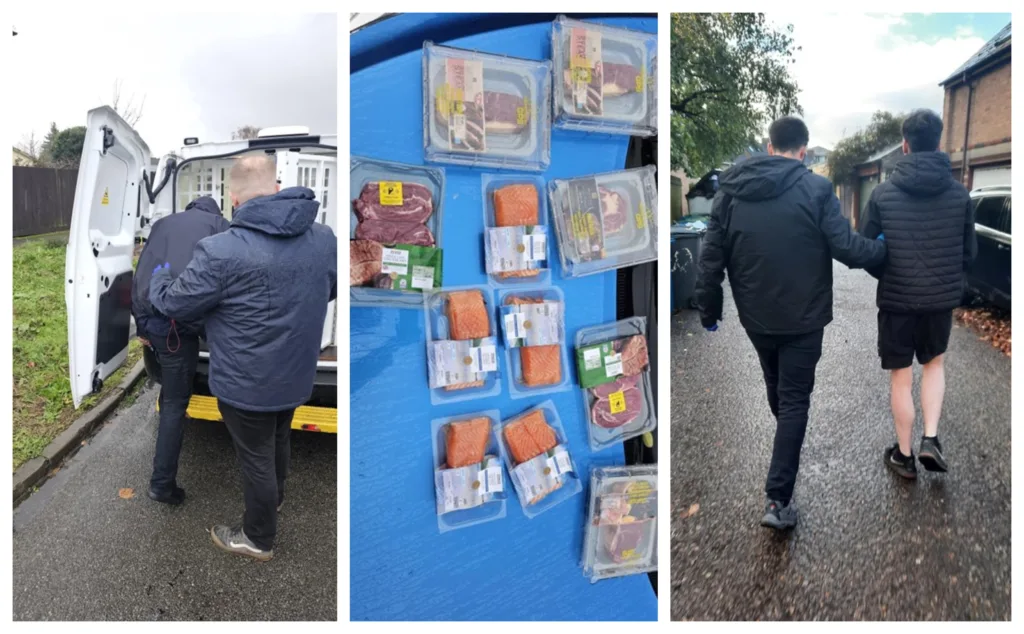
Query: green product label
point(410, 268)
point(598, 364)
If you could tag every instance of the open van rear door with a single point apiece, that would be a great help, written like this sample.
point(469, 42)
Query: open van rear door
point(98, 268)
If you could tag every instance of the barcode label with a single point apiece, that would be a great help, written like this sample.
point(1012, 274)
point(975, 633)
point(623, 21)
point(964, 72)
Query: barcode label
point(394, 261)
point(613, 365)
point(423, 277)
point(534, 247)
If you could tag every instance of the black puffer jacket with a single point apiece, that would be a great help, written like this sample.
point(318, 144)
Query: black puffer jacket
point(775, 227)
point(927, 219)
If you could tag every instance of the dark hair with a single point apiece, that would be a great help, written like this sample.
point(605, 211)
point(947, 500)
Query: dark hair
point(922, 130)
point(788, 134)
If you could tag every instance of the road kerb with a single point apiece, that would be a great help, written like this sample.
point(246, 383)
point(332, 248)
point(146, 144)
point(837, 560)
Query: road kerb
point(34, 471)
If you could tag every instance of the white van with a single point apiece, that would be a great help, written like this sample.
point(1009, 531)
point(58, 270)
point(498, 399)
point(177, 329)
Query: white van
point(117, 198)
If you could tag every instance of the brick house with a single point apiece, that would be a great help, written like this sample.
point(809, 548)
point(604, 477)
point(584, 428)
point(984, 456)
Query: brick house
point(976, 114)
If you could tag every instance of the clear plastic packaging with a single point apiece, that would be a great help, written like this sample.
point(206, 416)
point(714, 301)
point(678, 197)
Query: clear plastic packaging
point(395, 232)
point(615, 376)
point(536, 357)
point(542, 470)
point(604, 78)
point(473, 491)
point(517, 230)
point(462, 344)
point(605, 221)
point(486, 110)
point(622, 522)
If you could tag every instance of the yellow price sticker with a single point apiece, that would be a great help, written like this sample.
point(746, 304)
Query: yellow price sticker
point(640, 81)
point(523, 112)
point(617, 402)
point(629, 554)
point(581, 74)
point(444, 100)
point(391, 193)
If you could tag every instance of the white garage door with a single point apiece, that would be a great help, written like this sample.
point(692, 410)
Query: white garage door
point(989, 176)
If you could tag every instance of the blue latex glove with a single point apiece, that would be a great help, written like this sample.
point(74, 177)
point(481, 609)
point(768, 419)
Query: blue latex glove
point(165, 265)
point(712, 328)
point(881, 237)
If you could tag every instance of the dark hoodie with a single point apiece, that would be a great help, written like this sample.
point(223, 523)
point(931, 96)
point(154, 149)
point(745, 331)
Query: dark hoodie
point(172, 239)
point(263, 287)
point(775, 227)
point(928, 221)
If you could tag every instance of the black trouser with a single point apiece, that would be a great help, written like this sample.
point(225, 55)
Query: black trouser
point(262, 443)
point(177, 370)
point(788, 363)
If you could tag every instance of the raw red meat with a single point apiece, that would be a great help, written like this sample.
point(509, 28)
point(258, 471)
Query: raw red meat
point(619, 79)
point(601, 410)
point(417, 205)
point(364, 260)
point(395, 232)
point(623, 541)
point(623, 382)
point(613, 211)
point(501, 113)
point(634, 354)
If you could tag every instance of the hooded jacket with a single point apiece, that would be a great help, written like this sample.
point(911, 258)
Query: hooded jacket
point(776, 227)
point(927, 219)
point(263, 287)
point(173, 240)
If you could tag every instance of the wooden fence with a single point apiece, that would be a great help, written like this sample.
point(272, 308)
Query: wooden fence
point(42, 200)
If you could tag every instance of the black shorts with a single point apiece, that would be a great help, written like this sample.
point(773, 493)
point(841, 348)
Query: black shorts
point(901, 336)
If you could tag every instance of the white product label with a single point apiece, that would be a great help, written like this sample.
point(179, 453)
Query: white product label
point(542, 474)
point(613, 365)
point(592, 358)
point(394, 261)
point(455, 362)
point(422, 277)
point(533, 324)
point(534, 247)
point(516, 248)
point(468, 487)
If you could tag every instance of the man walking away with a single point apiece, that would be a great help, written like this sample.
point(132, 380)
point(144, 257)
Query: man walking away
point(176, 345)
point(775, 227)
point(927, 220)
point(263, 286)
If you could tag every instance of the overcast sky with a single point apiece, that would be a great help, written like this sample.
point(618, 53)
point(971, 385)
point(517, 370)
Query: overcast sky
point(854, 64)
point(201, 75)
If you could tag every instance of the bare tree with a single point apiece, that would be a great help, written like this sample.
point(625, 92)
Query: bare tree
point(245, 132)
point(29, 145)
point(130, 111)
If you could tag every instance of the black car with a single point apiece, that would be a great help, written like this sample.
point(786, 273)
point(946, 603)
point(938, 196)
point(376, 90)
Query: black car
point(989, 275)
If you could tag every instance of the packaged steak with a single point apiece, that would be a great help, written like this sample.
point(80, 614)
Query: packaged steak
point(621, 536)
point(534, 447)
point(604, 78)
point(469, 481)
point(536, 359)
point(395, 232)
point(615, 376)
point(605, 221)
point(462, 344)
point(516, 230)
point(486, 110)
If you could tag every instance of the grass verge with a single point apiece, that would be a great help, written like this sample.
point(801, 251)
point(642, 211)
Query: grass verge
point(42, 391)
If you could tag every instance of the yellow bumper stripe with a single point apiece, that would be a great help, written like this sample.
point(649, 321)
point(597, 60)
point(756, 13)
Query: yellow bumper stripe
point(322, 419)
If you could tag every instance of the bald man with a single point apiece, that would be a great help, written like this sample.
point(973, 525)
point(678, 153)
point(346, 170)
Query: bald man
point(262, 288)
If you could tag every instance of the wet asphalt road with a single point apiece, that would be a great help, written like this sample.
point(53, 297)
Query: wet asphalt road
point(867, 546)
point(83, 553)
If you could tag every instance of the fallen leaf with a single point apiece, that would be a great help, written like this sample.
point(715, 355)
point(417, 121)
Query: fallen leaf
point(690, 512)
point(31, 364)
point(126, 494)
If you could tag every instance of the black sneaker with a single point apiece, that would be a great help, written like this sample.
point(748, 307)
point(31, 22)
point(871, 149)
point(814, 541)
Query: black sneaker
point(903, 466)
point(174, 498)
point(234, 541)
point(779, 516)
point(931, 455)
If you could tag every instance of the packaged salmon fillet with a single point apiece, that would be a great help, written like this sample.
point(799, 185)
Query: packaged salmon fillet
point(486, 110)
point(395, 239)
point(534, 447)
point(469, 481)
point(605, 221)
point(614, 373)
point(536, 358)
point(604, 78)
point(621, 536)
point(515, 230)
point(462, 344)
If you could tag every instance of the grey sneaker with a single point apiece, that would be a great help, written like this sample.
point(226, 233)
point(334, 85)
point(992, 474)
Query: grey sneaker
point(930, 455)
point(779, 516)
point(234, 541)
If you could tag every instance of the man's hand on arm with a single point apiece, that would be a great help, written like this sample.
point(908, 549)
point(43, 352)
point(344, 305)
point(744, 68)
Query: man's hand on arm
point(192, 294)
point(855, 251)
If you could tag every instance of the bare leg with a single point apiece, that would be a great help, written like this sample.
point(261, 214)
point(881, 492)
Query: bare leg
point(903, 406)
point(933, 389)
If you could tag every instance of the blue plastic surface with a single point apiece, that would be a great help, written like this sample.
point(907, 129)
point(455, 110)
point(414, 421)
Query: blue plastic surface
point(513, 569)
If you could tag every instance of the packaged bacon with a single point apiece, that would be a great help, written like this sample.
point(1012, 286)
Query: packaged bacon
point(516, 230)
point(604, 78)
point(486, 110)
point(622, 522)
point(395, 232)
point(614, 371)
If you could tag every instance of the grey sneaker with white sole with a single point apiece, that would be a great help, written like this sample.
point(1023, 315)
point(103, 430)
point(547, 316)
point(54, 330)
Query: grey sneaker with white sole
point(779, 516)
point(233, 540)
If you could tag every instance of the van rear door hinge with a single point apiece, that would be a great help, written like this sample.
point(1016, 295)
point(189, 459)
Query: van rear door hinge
point(108, 139)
